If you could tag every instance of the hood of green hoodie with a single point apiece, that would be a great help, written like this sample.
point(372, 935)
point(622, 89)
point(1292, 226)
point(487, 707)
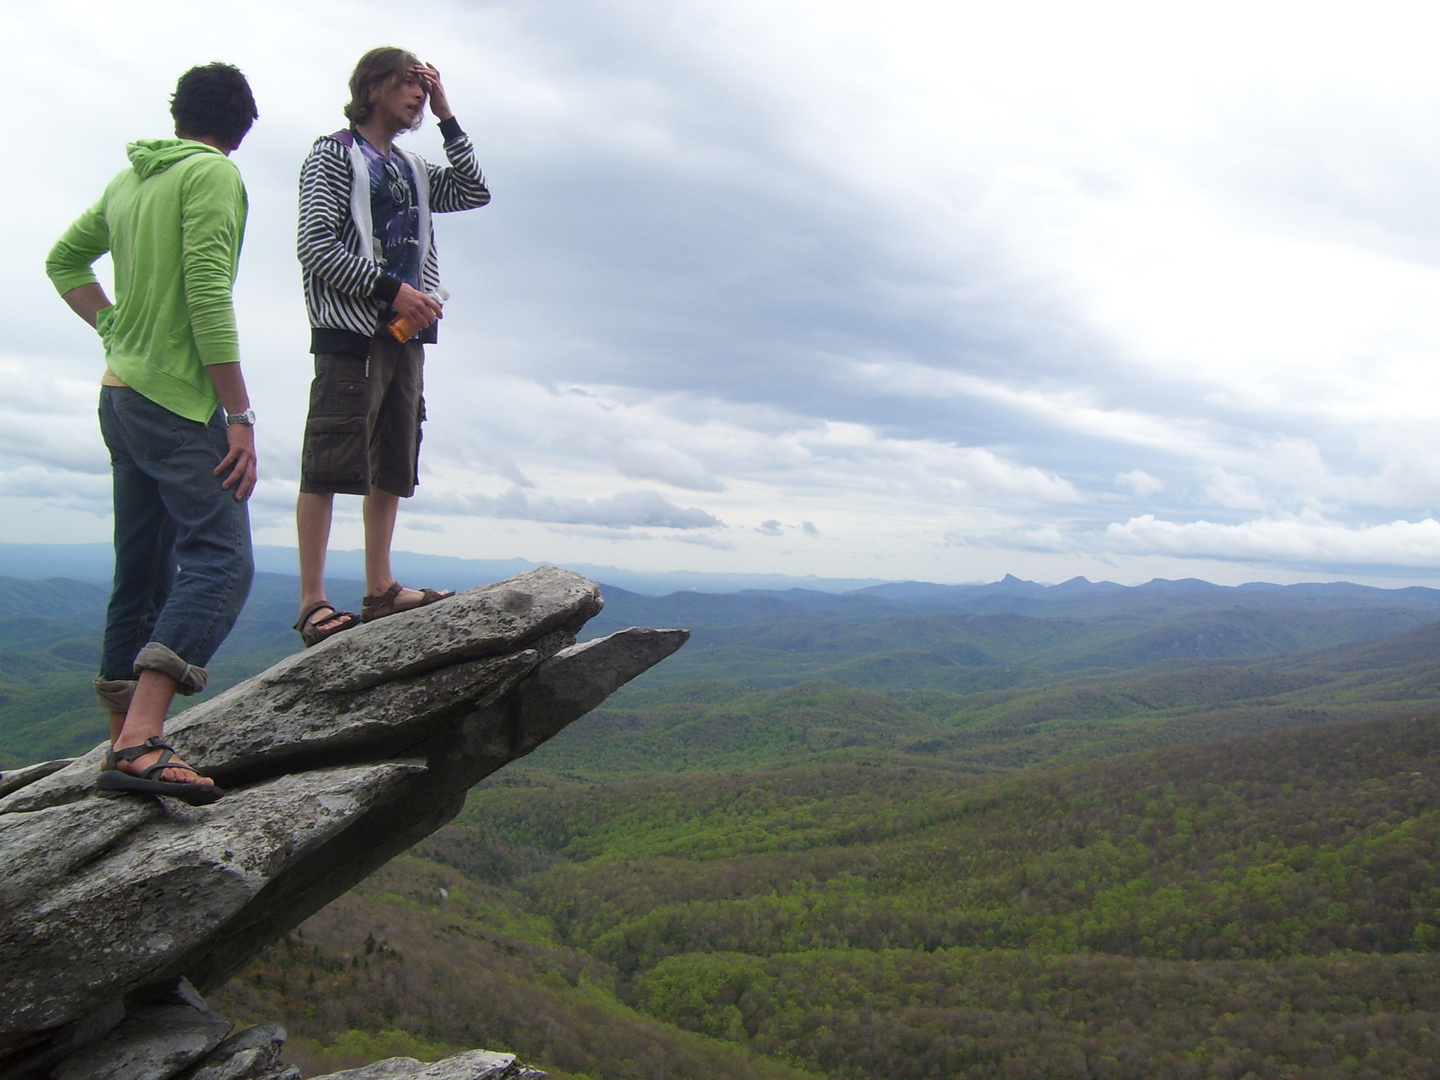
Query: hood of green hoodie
point(151, 156)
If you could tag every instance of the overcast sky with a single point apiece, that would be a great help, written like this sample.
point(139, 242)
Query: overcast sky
point(859, 289)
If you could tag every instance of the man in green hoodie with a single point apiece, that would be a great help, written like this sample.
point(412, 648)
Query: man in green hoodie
point(182, 469)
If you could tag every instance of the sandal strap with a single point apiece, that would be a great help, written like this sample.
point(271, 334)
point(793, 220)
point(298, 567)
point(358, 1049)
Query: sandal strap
point(309, 612)
point(163, 764)
point(381, 604)
point(388, 596)
point(377, 607)
point(149, 746)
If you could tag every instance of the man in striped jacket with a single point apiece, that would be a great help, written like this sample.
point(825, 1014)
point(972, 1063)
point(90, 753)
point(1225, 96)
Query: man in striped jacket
point(367, 248)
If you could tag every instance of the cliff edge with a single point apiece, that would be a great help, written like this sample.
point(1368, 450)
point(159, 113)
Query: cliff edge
point(118, 914)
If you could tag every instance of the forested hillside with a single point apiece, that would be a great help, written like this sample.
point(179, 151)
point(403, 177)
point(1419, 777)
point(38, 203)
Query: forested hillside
point(1265, 904)
point(722, 724)
point(1009, 831)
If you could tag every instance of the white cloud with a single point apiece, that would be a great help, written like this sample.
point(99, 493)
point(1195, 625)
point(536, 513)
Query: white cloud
point(1028, 538)
point(1299, 541)
point(638, 458)
point(588, 532)
point(1139, 483)
point(84, 491)
point(1232, 492)
point(709, 540)
point(934, 278)
point(626, 510)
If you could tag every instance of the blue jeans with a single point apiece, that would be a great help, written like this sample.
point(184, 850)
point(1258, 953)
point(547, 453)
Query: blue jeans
point(183, 564)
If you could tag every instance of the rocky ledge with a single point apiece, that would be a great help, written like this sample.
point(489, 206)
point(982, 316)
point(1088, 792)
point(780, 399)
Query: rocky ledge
point(118, 914)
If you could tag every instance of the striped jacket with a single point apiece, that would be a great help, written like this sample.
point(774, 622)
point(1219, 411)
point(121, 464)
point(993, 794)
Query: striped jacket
point(346, 290)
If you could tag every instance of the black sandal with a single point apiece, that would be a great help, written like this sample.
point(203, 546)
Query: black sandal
point(113, 779)
point(312, 634)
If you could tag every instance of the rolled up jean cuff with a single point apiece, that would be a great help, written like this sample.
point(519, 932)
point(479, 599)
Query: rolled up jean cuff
point(157, 657)
point(115, 694)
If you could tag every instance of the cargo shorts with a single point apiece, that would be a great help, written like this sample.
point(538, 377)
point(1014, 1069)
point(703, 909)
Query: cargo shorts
point(363, 430)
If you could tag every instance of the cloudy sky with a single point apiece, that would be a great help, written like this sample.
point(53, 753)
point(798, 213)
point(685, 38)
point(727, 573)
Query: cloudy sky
point(860, 289)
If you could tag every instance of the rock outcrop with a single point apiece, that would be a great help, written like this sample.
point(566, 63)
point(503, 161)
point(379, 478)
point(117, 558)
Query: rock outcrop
point(116, 914)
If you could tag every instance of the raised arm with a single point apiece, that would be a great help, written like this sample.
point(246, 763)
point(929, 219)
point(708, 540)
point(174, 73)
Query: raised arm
point(462, 185)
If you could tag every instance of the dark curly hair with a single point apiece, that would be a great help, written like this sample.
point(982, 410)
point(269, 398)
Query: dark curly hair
point(378, 69)
point(214, 100)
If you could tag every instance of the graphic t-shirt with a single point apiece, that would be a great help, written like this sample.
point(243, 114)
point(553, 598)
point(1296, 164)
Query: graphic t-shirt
point(395, 212)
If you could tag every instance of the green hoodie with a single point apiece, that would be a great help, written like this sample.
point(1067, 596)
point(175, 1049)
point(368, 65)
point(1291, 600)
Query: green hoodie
point(173, 223)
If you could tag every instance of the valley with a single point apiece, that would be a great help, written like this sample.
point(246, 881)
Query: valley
point(1006, 831)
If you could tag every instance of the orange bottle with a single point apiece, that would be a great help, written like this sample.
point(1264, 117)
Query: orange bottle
point(402, 329)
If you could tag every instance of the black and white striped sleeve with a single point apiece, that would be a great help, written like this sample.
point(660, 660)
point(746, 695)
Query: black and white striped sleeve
point(462, 185)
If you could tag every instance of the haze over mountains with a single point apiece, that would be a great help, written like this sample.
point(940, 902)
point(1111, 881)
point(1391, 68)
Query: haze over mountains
point(93, 562)
point(989, 652)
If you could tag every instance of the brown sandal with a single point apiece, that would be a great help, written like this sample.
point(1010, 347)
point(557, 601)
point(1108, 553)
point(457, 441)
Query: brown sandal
point(377, 607)
point(311, 632)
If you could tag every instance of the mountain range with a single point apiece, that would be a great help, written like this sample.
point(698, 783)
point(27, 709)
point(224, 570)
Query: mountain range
point(1169, 830)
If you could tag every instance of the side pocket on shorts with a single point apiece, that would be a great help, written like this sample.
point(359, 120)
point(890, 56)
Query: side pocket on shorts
point(335, 451)
point(419, 435)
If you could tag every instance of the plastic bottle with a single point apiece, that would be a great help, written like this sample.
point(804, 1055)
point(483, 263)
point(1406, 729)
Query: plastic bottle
point(402, 329)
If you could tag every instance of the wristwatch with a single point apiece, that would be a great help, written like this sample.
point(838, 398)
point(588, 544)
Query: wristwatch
point(247, 418)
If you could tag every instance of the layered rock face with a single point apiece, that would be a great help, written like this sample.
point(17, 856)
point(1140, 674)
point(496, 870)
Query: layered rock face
point(116, 914)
